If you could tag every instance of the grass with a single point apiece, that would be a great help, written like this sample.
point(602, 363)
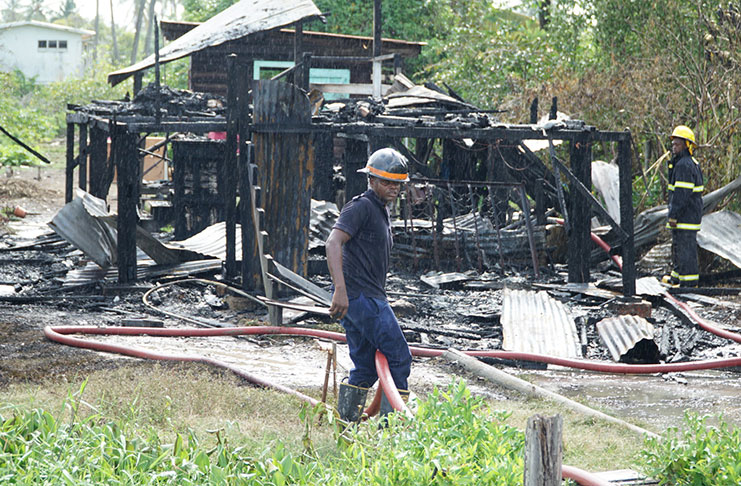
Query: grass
point(165, 423)
point(172, 399)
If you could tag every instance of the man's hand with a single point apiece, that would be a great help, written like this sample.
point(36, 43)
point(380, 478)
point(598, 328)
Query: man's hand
point(339, 305)
point(672, 223)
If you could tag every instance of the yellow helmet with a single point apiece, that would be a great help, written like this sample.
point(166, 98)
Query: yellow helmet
point(684, 132)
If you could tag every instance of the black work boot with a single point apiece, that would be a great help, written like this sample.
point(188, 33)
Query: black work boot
point(386, 407)
point(350, 402)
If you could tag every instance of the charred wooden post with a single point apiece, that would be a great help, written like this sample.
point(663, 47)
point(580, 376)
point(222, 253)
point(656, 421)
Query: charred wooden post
point(323, 188)
point(626, 215)
point(579, 247)
point(496, 171)
point(69, 174)
point(286, 165)
point(355, 157)
point(138, 78)
point(198, 201)
point(398, 64)
point(101, 166)
point(455, 229)
point(481, 256)
point(229, 168)
point(125, 153)
point(554, 108)
point(243, 84)
point(539, 202)
point(529, 225)
point(534, 111)
point(543, 451)
point(305, 72)
point(83, 157)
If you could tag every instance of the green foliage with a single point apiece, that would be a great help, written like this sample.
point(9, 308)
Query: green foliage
point(453, 440)
point(202, 10)
point(36, 113)
point(698, 455)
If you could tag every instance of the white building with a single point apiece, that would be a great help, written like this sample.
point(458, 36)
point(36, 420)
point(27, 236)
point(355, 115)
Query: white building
point(48, 52)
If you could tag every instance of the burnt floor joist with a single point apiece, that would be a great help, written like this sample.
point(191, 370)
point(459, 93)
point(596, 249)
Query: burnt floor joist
point(580, 205)
point(275, 129)
point(126, 133)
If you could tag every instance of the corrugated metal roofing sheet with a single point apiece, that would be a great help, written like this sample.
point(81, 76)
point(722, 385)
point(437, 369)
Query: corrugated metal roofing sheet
point(533, 322)
point(721, 234)
point(240, 19)
point(211, 242)
point(620, 334)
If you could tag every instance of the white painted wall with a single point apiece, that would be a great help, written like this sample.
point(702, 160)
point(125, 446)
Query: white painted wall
point(19, 49)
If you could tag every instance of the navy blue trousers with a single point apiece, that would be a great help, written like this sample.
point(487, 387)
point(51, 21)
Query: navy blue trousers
point(371, 325)
point(684, 258)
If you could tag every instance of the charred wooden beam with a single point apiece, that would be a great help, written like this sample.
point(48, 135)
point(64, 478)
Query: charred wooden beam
point(228, 169)
point(626, 215)
point(101, 163)
point(243, 87)
point(69, 175)
point(83, 157)
point(355, 157)
point(580, 222)
point(124, 148)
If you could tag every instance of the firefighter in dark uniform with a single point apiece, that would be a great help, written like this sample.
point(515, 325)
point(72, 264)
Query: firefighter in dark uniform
point(358, 251)
point(685, 208)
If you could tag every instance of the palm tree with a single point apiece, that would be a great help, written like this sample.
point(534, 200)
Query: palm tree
point(114, 54)
point(137, 31)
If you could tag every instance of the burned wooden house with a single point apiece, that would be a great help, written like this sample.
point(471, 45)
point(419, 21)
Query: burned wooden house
point(285, 146)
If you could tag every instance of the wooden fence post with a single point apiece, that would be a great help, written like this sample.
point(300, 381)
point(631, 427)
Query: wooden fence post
point(543, 451)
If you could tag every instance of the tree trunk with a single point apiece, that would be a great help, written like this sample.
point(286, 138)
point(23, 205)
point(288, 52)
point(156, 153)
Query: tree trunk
point(544, 13)
point(137, 30)
point(114, 55)
point(150, 24)
point(97, 31)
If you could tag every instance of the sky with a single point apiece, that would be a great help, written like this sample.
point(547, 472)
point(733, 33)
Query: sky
point(123, 10)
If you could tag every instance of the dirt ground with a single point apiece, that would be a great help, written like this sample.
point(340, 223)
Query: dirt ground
point(657, 401)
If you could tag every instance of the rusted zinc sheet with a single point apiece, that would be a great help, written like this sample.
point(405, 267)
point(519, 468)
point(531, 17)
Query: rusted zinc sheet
point(721, 234)
point(240, 19)
point(533, 322)
point(622, 334)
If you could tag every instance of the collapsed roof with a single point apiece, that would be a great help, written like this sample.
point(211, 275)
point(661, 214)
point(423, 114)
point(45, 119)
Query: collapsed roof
point(242, 18)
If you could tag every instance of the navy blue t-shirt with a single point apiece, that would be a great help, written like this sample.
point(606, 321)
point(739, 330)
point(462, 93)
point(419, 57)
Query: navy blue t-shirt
point(365, 256)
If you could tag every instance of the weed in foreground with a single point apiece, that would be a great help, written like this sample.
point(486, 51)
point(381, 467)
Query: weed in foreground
point(697, 455)
point(453, 440)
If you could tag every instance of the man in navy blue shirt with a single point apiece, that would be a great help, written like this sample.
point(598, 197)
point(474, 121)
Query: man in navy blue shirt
point(358, 250)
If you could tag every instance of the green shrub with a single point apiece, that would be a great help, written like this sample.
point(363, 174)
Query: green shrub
point(452, 440)
point(698, 455)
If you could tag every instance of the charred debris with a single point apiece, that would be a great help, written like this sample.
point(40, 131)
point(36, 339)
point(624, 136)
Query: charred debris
point(492, 238)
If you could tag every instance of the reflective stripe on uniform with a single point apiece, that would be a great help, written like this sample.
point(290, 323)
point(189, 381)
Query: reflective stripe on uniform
point(670, 187)
point(698, 189)
point(684, 185)
point(685, 278)
point(684, 226)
